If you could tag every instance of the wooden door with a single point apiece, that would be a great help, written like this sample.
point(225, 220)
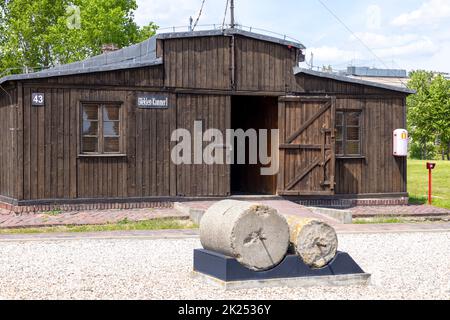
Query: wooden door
point(307, 146)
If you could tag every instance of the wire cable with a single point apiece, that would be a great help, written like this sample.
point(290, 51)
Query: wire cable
point(199, 15)
point(356, 36)
point(225, 15)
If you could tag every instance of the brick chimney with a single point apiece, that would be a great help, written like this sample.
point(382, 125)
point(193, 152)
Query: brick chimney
point(109, 47)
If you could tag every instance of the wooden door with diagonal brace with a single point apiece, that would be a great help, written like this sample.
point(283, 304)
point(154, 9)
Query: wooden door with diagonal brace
point(307, 146)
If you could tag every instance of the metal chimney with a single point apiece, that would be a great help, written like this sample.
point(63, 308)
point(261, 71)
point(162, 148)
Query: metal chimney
point(232, 24)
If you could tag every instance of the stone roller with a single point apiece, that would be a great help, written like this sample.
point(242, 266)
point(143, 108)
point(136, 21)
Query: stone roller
point(314, 241)
point(254, 234)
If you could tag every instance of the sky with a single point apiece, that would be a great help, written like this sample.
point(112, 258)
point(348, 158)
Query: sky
point(401, 34)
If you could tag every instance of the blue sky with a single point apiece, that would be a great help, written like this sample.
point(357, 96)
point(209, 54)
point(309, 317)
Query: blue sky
point(409, 34)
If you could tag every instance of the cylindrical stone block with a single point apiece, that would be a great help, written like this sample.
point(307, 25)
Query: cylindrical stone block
point(256, 235)
point(314, 241)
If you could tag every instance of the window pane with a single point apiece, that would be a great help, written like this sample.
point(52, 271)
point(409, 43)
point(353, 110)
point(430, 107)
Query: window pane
point(90, 112)
point(112, 145)
point(353, 133)
point(90, 144)
point(111, 128)
point(352, 148)
point(339, 149)
point(353, 118)
point(90, 128)
point(111, 113)
point(339, 133)
point(339, 119)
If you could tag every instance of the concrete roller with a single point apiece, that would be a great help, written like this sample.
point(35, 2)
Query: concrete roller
point(255, 234)
point(314, 241)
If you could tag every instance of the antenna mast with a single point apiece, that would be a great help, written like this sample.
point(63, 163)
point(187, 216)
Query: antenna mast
point(232, 24)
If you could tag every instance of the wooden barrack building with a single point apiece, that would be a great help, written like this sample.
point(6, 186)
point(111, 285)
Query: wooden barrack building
point(86, 132)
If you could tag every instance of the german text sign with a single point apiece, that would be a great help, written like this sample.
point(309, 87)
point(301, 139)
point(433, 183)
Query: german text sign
point(153, 101)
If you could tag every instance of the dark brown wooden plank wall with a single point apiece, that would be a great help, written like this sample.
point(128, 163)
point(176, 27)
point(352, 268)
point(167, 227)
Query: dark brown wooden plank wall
point(200, 63)
point(214, 112)
point(379, 171)
point(53, 170)
point(8, 143)
point(263, 66)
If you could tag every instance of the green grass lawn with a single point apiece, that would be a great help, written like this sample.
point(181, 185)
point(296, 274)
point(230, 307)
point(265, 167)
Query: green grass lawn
point(124, 225)
point(379, 220)
point(418, 183)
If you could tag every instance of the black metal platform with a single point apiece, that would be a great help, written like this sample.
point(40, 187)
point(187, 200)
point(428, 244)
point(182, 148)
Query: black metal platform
point(229, 269)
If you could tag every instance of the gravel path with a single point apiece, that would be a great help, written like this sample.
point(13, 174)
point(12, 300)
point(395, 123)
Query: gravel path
point(403, 266)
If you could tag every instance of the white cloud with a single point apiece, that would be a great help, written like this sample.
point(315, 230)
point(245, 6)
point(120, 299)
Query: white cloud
point(169, 13)
point(166, 13)
point(327, 54)
point(420, 47)
point(398, 45)
point(396, 51)
point(373, 17)
point(437, 62)
point(376, 40)
point(431, 12)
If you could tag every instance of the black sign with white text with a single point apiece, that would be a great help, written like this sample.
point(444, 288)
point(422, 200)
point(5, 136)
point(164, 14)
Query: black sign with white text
point(153, 101)
point(38, 99)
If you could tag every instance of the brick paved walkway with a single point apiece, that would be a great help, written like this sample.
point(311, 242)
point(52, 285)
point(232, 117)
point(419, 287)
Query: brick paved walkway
point(95, 217)
point(283, 206)
point(393, 227)
point(291, 208)
point(8, 220)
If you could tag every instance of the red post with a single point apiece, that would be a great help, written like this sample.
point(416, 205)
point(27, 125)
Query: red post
point(430, 186)
point(430, 167)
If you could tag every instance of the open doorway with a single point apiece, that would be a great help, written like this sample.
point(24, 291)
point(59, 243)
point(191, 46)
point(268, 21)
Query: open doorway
point(249, 112)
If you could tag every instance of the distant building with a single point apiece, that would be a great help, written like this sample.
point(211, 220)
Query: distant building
point(393, 77)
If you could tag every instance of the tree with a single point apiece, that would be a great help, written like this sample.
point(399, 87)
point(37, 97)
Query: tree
point(439, 103)
point(44, 33)
point(417, 108)
point(429, 111)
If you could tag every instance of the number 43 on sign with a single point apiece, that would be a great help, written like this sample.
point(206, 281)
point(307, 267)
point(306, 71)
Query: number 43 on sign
point(37, 99)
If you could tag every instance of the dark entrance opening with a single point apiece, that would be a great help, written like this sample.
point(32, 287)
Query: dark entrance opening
point(256, 113)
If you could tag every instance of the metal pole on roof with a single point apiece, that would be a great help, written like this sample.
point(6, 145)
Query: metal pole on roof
point(191, 20)
point(232, 24)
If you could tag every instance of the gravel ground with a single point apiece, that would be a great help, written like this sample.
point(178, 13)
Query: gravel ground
point(403, 266)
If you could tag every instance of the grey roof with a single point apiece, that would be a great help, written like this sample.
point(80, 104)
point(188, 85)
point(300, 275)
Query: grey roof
point(139, 55)
point(375, 72)
point(333, 76)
